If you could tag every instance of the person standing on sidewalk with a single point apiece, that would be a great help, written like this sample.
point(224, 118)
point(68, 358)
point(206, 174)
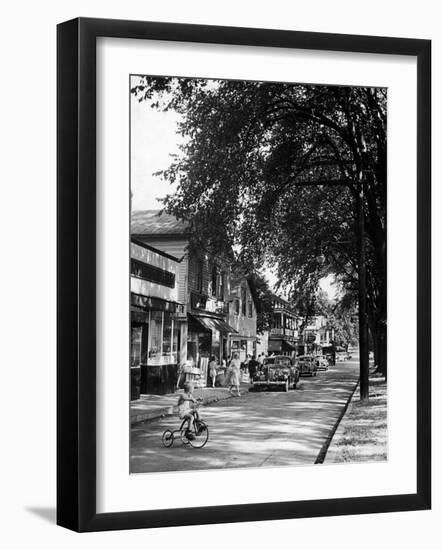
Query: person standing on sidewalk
point(235, 373)
point(212, 370)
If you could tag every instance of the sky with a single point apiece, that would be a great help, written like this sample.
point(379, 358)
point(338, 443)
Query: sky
point(154, 139)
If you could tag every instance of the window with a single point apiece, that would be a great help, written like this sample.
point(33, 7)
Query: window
point(214, 280)
point(176, 340)
point(243, 300)
point(199, 275)
point(250, 309)
point(156, 331)
point(164, 337)
point(221, 286)
point(152, 273)
point(167, 335)
point(276, 320)
point(135, 348)
point(236, 307)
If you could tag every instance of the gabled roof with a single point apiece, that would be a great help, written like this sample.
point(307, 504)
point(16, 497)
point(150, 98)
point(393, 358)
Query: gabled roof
point(156, 222)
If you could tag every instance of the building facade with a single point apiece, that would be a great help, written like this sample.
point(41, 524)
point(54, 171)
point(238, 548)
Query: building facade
point(156, 320)
point(242, 318)
point(203, 287)
point(283, 333)
point(317, 334)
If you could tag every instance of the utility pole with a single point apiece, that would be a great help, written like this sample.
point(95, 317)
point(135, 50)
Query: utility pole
point(362, 292)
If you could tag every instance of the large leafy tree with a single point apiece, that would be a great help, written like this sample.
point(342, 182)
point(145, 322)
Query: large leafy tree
point(272, 171)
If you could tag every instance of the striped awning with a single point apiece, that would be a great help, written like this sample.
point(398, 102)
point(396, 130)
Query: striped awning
point(212, 323)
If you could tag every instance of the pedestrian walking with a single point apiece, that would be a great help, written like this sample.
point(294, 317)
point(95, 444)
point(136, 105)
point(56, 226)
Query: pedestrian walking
point(234, 374)
point(253, 367)
point(212, 370)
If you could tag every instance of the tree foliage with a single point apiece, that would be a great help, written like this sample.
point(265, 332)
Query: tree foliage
point(272, 170)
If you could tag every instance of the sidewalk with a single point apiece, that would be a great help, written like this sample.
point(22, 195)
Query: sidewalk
point(150, 407)
point(362, 432)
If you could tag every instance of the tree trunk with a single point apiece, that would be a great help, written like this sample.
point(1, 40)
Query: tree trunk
point(374, 339)
point(382, 347)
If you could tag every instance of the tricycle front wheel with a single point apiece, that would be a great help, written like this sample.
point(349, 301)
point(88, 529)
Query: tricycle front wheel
point(167, 438)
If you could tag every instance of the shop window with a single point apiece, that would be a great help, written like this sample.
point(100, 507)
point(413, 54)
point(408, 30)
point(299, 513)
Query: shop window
point(156, 329)
point(135, 346)
point(167, 335)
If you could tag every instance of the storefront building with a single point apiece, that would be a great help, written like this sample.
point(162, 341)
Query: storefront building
point(207, 307)
point(157, 320)
point(203, 286)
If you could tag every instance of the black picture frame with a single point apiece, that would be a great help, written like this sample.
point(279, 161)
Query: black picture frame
point(76, 274)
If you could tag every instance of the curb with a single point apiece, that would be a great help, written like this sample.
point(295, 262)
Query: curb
point(324, 449)
point(172, 410)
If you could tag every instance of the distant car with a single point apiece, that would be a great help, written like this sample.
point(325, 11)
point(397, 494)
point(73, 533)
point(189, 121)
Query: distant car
point(276, 372)
point(321, 363)
point(340, 357)
point(307, 365)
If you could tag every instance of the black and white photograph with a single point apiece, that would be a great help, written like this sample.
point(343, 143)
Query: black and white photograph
point(258, 274)
point(219, 301)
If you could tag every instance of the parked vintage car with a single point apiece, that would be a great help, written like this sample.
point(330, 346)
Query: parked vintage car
point(307, 365)
point(321, 363)
point(276, 372)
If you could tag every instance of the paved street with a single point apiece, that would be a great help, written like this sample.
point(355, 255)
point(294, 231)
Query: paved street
point(259, 429)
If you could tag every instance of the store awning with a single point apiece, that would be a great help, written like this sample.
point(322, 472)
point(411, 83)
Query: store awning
point(288, 346)
point(154, 303)
point(212, 323)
